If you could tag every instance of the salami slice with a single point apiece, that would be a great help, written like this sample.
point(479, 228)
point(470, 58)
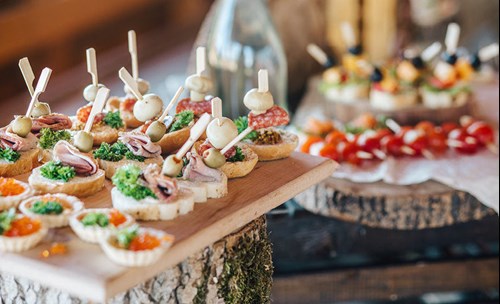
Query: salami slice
point(275, 116)
point(198, 108)
point(207, 146)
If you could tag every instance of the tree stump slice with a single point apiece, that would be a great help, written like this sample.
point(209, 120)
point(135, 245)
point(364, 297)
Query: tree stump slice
point(236, 269)
point(380, 205)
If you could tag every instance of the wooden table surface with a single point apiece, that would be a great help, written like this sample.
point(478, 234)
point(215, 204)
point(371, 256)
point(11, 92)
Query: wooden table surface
point(86, 272)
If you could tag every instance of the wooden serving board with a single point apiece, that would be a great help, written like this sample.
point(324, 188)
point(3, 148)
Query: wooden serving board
point(86, 272)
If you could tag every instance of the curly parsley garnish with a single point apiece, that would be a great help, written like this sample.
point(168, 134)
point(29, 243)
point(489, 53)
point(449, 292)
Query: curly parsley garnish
point(126, 179)
point(47, 208)
point(182, 120)
point(49, 138)
point(95, 219)
point(6, 219)
point(116, 152)
point(113, 120)
point(239, 156)
point(57, 171)
point(9, 155)
point(242, 124)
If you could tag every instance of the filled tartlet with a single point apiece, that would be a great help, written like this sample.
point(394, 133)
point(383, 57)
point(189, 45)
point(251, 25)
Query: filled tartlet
point(19, 232)
point(136, 247)
point(132, 148)
point(12, 192)
point(149, 195)
point(53, 210)
point(93, 225)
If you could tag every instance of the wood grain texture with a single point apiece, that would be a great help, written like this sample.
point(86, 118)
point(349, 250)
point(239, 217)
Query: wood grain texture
point(203, 277)
point(428, 205)
point(387, 284)
point(268, 186)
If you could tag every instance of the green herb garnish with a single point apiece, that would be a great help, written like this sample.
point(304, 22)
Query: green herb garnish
point(47, 208)
point(242, 124)
point(126, 179)
point(49, 138)
point(9, 155)
point(125, 236)
point(6, 219)
point(116, 152)
point(96, 219)
point(113, 120)
point(57, 171)
point(182, 120)
point(239, 156)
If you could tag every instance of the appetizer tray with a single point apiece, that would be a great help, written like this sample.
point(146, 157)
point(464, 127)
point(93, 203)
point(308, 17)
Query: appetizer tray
point(86, 272)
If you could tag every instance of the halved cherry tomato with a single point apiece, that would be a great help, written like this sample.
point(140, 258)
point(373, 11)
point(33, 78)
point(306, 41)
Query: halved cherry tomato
point(463, 142)
point(330, 151)
point(335, 138)
point(448, 127)
point(482, 132)
point(306, 147)
point(348, 152)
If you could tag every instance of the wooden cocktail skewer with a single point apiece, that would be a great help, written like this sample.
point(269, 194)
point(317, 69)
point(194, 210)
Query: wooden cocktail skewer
point(132, 48)
point(431, 51)
point(22, 124)
point(158, 128)
point(217, 110)
point(452, 38)
point(148, 106)
point(318, 54)
point(84, 141)
point(40, 108)
point(197, 84)
point(348, 34)
point(90, 91)
point(488, 52)
point(173, 164)
point(396, 128)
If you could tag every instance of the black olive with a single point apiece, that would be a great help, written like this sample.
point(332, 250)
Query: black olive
point(377, 75)
point(450, 58)
point(475, 61)
point(356, 50)
point(418, 63)
point(330, 63)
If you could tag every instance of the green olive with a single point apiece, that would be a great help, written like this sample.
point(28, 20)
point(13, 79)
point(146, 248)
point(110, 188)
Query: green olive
point(22, 126)
point(156, 131)
point(172, 166)
point(213, 158)
point(84, 141)
point(40, 109)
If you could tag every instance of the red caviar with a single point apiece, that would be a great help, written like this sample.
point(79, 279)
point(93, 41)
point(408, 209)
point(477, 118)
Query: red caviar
point(116, 218)
point(144, 241)
point(22, 226)
point(10, 187)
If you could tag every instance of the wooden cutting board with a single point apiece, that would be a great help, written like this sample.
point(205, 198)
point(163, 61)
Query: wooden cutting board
point(86, 272)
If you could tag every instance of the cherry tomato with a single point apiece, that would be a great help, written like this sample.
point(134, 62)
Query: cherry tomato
point(448, 127)
point(84, 112)
point(437, 142)
point(425, 126)
point(482, 132)
point(463, 142)
point(306, 147)
point(369, 141)
point(128, 105)
point(330, 151)
point(335, 138)
point(365, 121)
point(416, 140)
point(348, 152)
point(392, 145)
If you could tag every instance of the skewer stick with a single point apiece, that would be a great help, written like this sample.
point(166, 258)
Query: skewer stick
point(217, 110)
point(97, 107)
point(364, 155)
point(428, 154)
point(171, 103)
point(452, 38)
point(40, 88)
point(493, 148)
point(195, 133)
point(92, 66)
point(28, 74)
point(130, 82)
point(236, 140)
point(263, 81)
point(394, 126)
point(380, 154)
point(201, 60)
point(408, 150)
point(431, 51)
point(488, 52)
point(317, 53)
point(348, 34)
point(132, 48)
point(455, 143)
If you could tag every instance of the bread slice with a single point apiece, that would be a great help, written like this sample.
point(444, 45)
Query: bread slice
point(151, 209)
point(199, 190)
point(130, 120)
point(171, 142)
point(101, 132)
point(26, 163)
point(392, 102)
point(110, 167)
point(282, 150)
point(217, 189)
point(242, 168)
point(77, 186)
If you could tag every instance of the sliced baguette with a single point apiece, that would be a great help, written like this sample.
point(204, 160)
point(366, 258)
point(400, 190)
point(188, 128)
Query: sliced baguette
point(26, 163)
point(78, 186)
point(199, 190)
point(217, 189)
point(282, 150)
point(110, 167)
point(171, 142)
point(151, 209)
point(101, 132)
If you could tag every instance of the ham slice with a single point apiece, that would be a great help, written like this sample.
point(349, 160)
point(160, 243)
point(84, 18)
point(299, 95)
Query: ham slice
point(68, 155)
point(54, 122)
point(197, 171)
point(8, 139)
point(165, 188)
point(140, 144)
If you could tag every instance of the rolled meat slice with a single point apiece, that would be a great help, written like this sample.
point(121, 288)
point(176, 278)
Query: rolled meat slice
point(165, 188)
point(10, 140)
point(140, 144)
point(70, 156)
point(55, 122)
point(197, 171)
